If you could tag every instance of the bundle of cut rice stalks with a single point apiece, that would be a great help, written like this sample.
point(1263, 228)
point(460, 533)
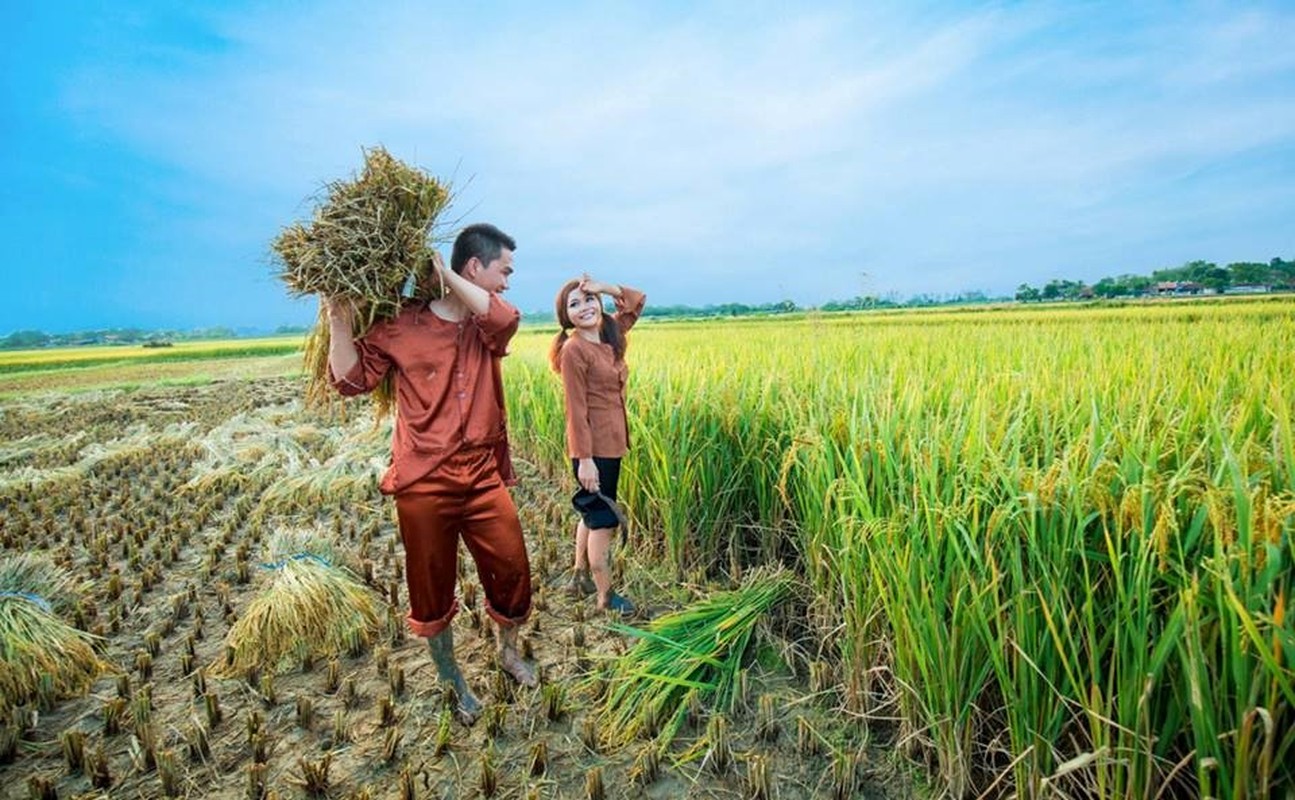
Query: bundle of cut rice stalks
point(41, 656)
point(350, 477)
point(367, 241)
point(691, 655)
point(314, 608)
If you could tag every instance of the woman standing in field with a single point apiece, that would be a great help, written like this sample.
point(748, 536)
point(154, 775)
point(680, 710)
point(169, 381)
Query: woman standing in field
point(589, 354)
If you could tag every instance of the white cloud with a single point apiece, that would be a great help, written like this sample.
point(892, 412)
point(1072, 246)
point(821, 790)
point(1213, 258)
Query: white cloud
point(971, 137)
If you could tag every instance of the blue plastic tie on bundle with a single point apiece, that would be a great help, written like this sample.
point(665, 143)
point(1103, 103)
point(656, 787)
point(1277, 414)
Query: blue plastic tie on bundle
point(298, 557)
point(31, 598)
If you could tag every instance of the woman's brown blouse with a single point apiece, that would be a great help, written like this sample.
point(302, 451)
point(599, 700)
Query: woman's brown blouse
point(594, 383)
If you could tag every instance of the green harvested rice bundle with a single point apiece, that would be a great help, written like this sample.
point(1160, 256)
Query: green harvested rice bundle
point(40, 654)
point(367, 240)
point(315, 606)
point(696, 651)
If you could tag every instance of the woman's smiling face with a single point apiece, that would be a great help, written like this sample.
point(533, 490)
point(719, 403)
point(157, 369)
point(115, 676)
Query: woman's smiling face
point(585, 310)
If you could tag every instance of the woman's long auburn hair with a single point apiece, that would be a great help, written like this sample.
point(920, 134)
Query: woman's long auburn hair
point(608, 332)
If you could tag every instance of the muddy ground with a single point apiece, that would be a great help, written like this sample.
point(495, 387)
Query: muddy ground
point(108, 481)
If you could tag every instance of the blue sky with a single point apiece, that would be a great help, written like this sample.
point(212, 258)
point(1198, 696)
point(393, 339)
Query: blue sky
point(707, 152)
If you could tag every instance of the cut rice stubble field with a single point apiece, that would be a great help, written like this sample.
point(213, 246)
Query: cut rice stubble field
point(161, 493)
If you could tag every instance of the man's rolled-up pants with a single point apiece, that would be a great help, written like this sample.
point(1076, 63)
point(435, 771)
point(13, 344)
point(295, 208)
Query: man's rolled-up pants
point(464, 497)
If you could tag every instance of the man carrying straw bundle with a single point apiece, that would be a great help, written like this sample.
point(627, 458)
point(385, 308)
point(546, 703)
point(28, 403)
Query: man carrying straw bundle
point(450, 466)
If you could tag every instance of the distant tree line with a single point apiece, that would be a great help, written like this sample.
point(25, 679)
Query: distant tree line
point(721, 310)
point(30, 339)
point(861, 303)
point(858, 303)
point(684, 312)
point(1192, 277)
point(1276, 275)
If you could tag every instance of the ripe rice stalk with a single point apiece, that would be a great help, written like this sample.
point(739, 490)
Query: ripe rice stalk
point(349, 475)
point(41, 656)
point(29, 447)
point(693, 653)
point(53, 479)
point(313, 603)
point(1017, 516)
point(366, 242)
point(319, 392)
point(290, 466)
point(250, 450)
point(136, 441)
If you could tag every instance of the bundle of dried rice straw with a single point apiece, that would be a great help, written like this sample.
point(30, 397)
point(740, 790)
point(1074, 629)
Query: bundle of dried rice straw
point(367, 241)
point(314, 607)
point(41, 656)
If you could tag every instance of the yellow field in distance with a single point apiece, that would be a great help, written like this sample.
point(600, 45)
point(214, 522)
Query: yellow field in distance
point(100, 353)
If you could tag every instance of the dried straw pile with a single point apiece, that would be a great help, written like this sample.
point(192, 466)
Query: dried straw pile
point(314, 608)
point(368, 239)
point(41, 656)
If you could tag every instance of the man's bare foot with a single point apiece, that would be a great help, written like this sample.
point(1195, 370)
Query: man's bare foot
point(522, 670)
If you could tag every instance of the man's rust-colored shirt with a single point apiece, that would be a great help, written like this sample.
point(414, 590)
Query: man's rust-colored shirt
point(594, 384)
point(449, 392)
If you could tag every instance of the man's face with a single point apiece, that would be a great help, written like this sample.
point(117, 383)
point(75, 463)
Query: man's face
point(492, 277)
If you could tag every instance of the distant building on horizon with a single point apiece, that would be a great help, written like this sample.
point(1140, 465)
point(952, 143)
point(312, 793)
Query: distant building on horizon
point(1176, 288)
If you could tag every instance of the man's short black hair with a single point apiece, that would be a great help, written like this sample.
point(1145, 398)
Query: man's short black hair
point(483, 241)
